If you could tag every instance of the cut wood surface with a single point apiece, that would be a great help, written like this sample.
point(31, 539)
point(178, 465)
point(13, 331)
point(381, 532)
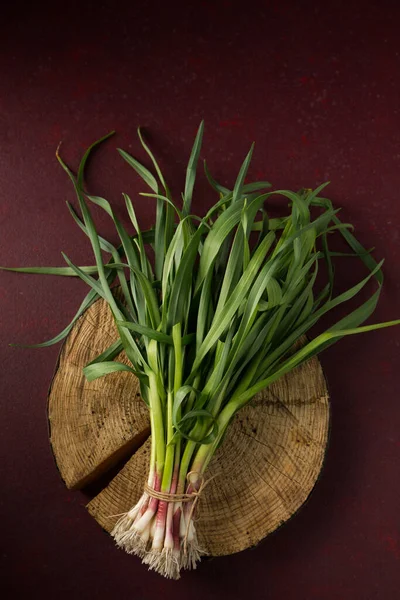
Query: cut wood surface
point(93, 424)
point(264, 471)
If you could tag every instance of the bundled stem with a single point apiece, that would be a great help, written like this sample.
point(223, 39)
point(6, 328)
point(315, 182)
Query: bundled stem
point(215, 322)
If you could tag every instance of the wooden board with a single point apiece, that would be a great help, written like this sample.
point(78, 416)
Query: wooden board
point(93, 425)
point(266, 468)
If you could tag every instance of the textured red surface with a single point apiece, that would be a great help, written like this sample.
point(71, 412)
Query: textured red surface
point(317, 87)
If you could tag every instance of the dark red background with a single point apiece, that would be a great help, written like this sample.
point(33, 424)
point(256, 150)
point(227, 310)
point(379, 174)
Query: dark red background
point(317, 87)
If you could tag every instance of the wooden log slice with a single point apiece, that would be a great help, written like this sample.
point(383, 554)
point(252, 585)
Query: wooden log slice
point(266, 468)
point(93, 425)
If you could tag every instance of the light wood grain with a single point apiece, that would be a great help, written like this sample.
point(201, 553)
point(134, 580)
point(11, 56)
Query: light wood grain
point(94, 424)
